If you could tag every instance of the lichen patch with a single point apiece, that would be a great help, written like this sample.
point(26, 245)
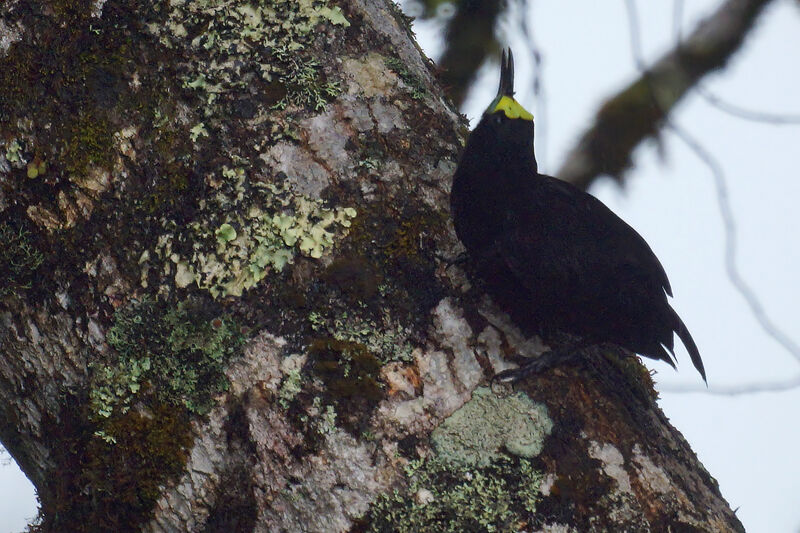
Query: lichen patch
point(486, 425)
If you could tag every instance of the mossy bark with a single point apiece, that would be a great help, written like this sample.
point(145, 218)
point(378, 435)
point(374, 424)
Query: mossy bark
point(227, 307)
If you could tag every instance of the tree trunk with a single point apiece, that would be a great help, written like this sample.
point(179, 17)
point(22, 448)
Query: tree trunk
point(225, 305)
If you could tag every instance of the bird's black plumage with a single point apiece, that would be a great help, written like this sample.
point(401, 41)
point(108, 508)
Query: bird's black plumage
point(551, 254)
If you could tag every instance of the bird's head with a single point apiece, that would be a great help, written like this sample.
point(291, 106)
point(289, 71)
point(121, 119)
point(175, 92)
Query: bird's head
point(506, 126)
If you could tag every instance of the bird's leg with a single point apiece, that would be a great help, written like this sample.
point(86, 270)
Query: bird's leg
point(546, 361)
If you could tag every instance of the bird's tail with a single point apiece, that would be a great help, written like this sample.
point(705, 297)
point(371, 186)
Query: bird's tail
point(691, 347)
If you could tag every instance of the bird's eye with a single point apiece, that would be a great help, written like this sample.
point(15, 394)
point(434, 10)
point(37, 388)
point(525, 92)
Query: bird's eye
point(497, 118)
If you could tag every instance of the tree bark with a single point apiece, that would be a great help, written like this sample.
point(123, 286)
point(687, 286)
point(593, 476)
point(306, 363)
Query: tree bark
point(225, 306)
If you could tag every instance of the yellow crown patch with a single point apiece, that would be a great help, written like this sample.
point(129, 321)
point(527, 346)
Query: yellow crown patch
point(511, 108)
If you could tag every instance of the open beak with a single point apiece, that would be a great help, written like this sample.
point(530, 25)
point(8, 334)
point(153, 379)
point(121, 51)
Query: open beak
point(506, 75)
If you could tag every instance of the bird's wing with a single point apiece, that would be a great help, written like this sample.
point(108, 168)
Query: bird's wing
point(563, 244)
point(590, 232)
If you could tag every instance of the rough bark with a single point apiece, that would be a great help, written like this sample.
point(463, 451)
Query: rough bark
point(639, 110)
point(224, 305)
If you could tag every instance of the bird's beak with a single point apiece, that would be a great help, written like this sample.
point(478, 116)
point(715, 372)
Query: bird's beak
point(506, 75)
point(504, 101)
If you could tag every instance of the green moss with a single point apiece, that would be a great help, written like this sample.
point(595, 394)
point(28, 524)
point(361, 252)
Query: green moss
point(89, 142)
point(439, 497)
point(488, 425)
point(348, 369)
point(399, 241)
point(58, 84)
point(126, 477)
point(113, 487)
point(638, 378)
point(19, 259)
point(177, 354)
point(350, 374)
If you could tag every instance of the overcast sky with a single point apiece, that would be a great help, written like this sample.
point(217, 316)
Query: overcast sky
point(748, 443)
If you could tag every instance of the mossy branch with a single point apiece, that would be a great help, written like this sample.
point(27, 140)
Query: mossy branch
point(639, 110)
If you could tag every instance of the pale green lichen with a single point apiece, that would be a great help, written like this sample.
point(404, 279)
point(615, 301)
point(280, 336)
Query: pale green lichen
point(323, 419)
point(388, 339)
point(443, 498)
point(180, 356)
point(240, 42)
point(274, 225)
point(486, 425)
point(225, 233)
point(14, 152)
point(197, 131)
point(292, 381)
point(481, 477)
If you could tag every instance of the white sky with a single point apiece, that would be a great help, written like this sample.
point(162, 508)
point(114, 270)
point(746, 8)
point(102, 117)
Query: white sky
point(748, 443)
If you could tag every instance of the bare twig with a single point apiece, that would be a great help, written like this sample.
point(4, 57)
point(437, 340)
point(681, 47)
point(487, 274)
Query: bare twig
point(638, 111)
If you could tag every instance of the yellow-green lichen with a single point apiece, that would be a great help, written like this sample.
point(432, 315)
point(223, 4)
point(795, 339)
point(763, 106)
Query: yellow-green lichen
point(14, 152)
point(488, 424)
point(262, 227)
point(36, 169)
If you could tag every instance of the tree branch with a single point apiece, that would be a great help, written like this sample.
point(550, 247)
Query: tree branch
point(638, 111)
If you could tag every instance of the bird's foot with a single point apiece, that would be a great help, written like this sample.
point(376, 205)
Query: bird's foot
point(538, 365)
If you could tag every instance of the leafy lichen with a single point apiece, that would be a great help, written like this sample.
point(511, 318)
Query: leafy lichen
point(179, 355)
point(387, 339)
point(247, 230)
point(481, 477)
point(237, 44)
point(443, 498)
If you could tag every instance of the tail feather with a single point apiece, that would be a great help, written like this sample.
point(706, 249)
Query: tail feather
point(665, 354)
point(691, 347)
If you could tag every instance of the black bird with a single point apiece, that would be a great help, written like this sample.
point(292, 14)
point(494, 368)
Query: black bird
point(553, 256)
